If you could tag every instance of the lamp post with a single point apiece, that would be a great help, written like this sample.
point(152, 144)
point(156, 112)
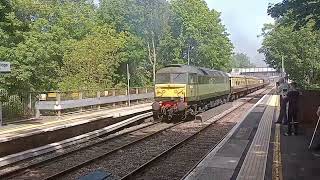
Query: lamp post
point(128, 78)
point(5, 67)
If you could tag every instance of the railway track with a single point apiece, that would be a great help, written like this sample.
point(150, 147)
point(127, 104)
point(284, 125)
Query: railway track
point(15, 169)
point(128, 149)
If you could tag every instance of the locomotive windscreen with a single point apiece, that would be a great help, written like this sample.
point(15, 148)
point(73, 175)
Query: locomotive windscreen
point(174, 78)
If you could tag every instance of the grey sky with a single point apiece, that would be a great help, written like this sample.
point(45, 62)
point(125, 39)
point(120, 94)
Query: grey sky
point(244, 20)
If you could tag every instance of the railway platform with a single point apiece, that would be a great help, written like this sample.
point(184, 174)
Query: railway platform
point(256, 149)
point(25, 128)
point(43, 131)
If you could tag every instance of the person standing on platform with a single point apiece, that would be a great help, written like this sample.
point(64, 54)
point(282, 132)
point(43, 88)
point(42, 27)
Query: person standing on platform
point(292, 98)
point(282, 90)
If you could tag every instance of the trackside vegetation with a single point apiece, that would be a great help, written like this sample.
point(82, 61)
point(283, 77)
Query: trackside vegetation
point(295, 37)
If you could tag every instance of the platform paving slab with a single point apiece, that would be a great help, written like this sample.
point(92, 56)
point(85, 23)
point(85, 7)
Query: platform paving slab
point(209, 173)
point(233, 148)
point(254, 164)
point(299, 162)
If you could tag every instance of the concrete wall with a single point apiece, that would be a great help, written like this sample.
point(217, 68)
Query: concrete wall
point(309, 102)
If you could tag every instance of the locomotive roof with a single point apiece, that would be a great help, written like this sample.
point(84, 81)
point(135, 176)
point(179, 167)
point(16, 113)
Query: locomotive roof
point(180, 68)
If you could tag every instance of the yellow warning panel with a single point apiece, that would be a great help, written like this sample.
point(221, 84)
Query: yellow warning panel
point(277, 164)
point(75, 94)
point(52, 95)
point(273, 101)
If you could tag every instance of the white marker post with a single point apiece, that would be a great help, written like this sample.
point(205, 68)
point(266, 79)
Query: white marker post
point(4, 68)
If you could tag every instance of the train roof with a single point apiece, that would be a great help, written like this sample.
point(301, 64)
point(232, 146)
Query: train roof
point(176, 68)
point(234, 76)
point(180, 68)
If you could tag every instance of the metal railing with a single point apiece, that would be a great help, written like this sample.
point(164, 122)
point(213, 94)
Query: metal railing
point(62, 102)
point(35, 104)
point(16, 107)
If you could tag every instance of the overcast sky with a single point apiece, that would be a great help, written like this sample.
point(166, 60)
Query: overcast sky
point(244, 20)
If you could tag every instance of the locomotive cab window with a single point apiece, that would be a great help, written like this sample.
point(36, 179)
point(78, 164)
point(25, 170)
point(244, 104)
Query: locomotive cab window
point(174, 78)
point(192, 78)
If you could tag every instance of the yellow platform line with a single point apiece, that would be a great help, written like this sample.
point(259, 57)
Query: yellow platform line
point(28, 127)
point(273, 101)
point(277, 163)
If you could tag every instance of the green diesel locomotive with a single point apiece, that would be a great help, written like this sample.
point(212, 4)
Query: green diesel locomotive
point(183, 90)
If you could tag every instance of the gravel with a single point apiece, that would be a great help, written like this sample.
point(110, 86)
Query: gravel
point(60, 152)
point(129, 158)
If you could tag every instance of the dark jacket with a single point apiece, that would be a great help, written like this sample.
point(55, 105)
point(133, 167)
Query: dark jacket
point(292, 98)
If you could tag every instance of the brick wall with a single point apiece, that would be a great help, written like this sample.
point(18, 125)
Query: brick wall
point(309, 102)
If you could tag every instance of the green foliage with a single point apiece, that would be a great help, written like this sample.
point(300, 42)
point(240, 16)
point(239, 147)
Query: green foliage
point(72, 45)
point(39, 33)
point(241, 60)
point(296, 38)
point(300, 50)
point(297, 12)
point(200, 35)
point(103, 50)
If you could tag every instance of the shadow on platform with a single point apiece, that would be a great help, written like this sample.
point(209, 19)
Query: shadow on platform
point(298, 161)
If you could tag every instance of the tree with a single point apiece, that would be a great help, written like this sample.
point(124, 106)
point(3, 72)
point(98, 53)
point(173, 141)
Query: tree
point(146, 22)
point(241, 60)
point(201, 36)
point(156, 17)
point(167, 33)
point(295, 37)
point(72, 44)
point(92, 61)
point(300, 50)
point(40, 33)
point(297, 12)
